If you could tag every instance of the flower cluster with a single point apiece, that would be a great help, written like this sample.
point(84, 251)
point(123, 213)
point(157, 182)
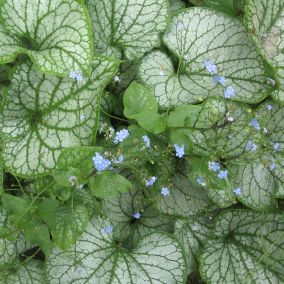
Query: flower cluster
point(212, 69)
point(216, 167)
point(120, 136)
point(254, 123)
point(101, 163)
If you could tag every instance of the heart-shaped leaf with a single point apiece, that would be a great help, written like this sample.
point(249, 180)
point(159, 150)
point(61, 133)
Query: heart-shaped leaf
point(95, 258)
point(56, 36)
point(130, 27)
point(264, 21)
point(43, 114)
point(249, 249)
point(200, 37)
point(120, 211)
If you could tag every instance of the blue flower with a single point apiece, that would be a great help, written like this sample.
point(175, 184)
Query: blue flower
point(251, 146)
point(201, 181)
point(214, 166)
point(254, 123)
point(151, 181)
point(121, 135)
point(165, 191)
point(272, 165)
point(72, 180)
point(229, 92)
point(76, 76)
point(108, 229)
point(271, 81)
point(237, 191)
point(269, 107)
point(276, 146)
point(119, 160)
point(219, 79)
point(210, 66)
point(100, 163)
point(146, 140)
point(180, 26)
point(137, 215)
point(179, 150)
point(116, 79)
point(223, 174)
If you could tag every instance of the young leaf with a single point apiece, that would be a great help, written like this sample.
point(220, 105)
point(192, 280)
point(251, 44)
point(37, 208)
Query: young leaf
point(195, 36)
point(126, 228)
point(108, 184)
point(264, 21)
point(30, 272)
point(43, 114)
point(204, 115)
point(158, 258)
point(12, 243)
point(176, 5)
point(226, 6)
point(131, 27)
point(56, 36)
point(140, 104)
point(249, 249)
point(69, 224)
point(22, 213)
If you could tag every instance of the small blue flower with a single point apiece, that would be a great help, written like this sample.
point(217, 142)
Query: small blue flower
point(146, 140)
point(219, 79)
point(151, 181)
point(223, 174)
point(210, 66)
point(100, 163)
point(72, 180)
point(119, 160)
point(237, 191)
point(254, 123)
point(179, 150)
point(276, 146)
point(76, 76)
point(272, 165)
point(251, 146)
point(214, 166)
point(116, 79)
point(271, 81)
point(108, 229)
point(229, 92)
point(180, 26)
point(201, 181)
point(269, 107)
point(121, 135)
point(137, 215)
point(165, 191)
